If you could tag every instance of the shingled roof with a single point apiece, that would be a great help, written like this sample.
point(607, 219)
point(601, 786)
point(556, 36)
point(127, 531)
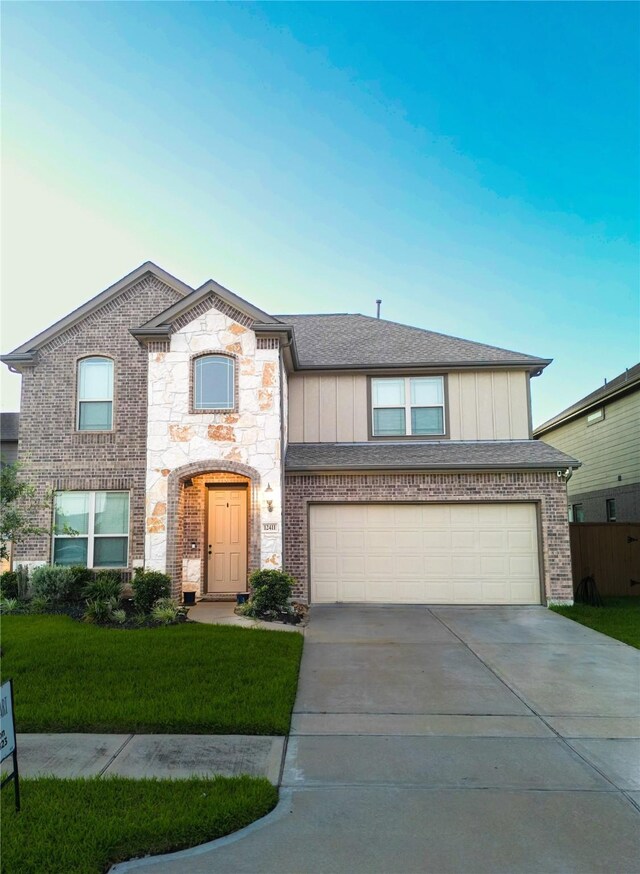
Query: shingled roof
point(344, 340)
point(621, 384)
point(432, 455)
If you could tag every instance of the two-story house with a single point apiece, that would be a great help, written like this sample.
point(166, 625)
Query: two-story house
point(603, 430)
point(189, 431)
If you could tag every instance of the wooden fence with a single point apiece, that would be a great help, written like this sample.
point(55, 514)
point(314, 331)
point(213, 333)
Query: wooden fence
point(610, 553)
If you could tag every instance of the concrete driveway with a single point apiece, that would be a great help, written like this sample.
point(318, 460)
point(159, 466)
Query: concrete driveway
point(450, 739)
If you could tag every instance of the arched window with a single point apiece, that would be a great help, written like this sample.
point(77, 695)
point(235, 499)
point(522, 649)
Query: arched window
point(213, 383)
point(95, 394)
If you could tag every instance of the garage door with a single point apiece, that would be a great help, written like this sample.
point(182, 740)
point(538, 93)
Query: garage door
point(424, 553)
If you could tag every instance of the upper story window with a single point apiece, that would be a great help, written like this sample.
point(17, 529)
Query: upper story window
point(596, 416)
point(408, 406)
point(213, 382)
point(91, 529)
point(95, 394)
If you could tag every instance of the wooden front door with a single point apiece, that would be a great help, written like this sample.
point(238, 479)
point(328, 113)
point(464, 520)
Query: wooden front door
point(227, 540)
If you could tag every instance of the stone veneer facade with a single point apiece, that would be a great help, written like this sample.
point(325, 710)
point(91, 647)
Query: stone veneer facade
point(183, 444)
point(542, 487)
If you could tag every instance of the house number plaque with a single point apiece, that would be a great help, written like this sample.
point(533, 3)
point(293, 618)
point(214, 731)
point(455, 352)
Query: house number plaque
point(271, 527)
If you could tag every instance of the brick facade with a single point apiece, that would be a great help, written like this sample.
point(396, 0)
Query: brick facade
point(542, 487)
point(54, 455)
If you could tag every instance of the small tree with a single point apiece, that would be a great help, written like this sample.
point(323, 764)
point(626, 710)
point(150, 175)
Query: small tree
point(19, 507)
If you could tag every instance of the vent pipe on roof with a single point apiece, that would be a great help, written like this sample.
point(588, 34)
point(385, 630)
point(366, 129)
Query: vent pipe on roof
point(378, 302)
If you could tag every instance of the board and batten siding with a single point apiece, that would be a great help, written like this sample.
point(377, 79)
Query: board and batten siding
point(607, 449)
point(482, 405)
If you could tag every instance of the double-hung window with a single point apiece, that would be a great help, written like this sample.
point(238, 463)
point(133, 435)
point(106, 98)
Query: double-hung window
point(95, 394)
point(91, 529)
point(213, 382)
point(408, 406)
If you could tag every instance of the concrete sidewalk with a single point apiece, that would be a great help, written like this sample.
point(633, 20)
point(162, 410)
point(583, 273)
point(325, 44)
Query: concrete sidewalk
point(149, 755)
point(449, 741)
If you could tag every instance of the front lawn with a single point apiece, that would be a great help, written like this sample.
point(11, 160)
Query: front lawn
point(84, 826)
point(619, 618)
point(182, 679)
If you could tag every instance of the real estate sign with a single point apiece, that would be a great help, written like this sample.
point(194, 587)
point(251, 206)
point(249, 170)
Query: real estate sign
point(7, 732)
point(8, 737)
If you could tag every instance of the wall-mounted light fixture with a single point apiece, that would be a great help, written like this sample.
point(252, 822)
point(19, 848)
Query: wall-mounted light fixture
point(269, 500)
point(187, 483)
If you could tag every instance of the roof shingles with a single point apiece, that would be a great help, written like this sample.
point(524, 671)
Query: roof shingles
point(353, 340)
point(432, 455)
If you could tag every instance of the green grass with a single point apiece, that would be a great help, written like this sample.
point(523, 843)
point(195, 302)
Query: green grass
point(619, 618)
point(84, 826)
point(182, 679)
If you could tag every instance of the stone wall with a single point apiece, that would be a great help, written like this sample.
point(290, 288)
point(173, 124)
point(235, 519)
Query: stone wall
point(542, 487)
point(203, 442)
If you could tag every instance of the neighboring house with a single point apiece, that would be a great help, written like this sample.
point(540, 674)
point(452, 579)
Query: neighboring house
point(190, 431)
point(9, 437)
point(603, 431)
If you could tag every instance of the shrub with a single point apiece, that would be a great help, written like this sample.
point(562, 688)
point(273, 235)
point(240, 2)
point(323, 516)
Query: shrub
point(22, 574)
point(119, 616)
point(105, 585)
point(82, 577)
point(39, 604)
point(148, 587)
point(165, 611)
point(9, 584)
point(8, 605)
point(101, 610)
point(270, 593)
point(52, 582)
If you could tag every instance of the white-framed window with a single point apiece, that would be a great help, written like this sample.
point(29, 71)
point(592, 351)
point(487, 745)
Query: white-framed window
point(214, 382)
point(95, 394)
point(596, 416)
point(91, 529)
point(407, 406)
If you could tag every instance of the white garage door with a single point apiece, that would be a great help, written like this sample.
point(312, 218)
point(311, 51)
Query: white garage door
point(424, 553)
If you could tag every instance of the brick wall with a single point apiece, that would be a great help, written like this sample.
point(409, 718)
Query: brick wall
point(53, 453)
point(542, 487)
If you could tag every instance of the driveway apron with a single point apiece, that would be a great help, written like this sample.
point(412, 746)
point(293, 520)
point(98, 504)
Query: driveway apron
point(449, 739)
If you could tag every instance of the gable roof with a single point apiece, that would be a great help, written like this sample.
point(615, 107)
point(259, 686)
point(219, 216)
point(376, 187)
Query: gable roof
point(434, 455)
point(26, 351)
point(162, 322)
point(622, 384)
point(345, 340)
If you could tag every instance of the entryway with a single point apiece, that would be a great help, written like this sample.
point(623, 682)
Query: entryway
point(226, 539)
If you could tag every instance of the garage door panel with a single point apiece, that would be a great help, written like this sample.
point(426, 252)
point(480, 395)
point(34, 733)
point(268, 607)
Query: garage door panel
point(438, 566)
point(425, 553)
point(436, 539)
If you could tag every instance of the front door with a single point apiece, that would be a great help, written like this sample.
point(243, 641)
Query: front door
point(227, 540)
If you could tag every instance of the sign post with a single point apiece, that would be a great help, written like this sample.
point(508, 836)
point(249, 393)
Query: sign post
point(8, 737)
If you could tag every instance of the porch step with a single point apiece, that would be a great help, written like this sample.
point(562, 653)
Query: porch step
point(218, 596)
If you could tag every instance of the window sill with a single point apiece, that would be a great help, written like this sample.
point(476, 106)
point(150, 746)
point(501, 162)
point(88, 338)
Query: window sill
point(93, 437)
point(400, 438)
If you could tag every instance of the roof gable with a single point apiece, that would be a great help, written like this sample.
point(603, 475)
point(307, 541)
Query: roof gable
point(26, 351)
point(348, 341)
point(210, 294)
point(621, 384)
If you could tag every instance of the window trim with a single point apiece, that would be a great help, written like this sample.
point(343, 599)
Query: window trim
point(213, 353)
point(595, 416)
point(112, 399)
point(407, 406)
point(91, 524)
